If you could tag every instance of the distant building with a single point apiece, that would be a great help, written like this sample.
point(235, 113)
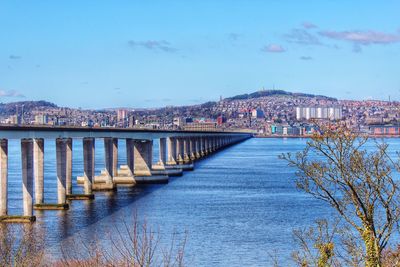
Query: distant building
point(201, 126)
point(291, 130)
point(122, 117)
point(221, 120)
point(178, 121)
point(132, 121)
point(385, 130)
point(188, 120)
point(257, 114)
point(61, 121)
point(41, 119)
point(325, 113)
point(15, 119)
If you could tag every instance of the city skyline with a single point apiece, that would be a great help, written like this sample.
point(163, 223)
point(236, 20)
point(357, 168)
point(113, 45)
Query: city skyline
point(102, 55)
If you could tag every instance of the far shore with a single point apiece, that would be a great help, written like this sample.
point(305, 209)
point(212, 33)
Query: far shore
point(309, 136)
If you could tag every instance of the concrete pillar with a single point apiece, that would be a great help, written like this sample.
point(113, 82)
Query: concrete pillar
point(88, 164)
point(61, 157)
point(3, 176)
point(68, 178)
point(130, 156)
point(192, 146)
point(179, 150)
point(171, 141)
point(201, 141)
point(143, 153)
point(27, 175)
point(206, 145)
point(197, 147)
point(213, 143)
point(111, 158)
point(186, 150)
point(162, 152)
point(38, 159)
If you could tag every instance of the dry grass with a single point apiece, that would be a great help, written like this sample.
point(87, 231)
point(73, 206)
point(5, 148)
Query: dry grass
point(130, 244)
point(21, 245)
point(126, 243)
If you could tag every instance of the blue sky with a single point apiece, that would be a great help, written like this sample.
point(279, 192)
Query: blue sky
point(96, 54)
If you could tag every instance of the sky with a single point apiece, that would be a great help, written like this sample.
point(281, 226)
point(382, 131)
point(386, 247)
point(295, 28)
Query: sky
point(103, 54)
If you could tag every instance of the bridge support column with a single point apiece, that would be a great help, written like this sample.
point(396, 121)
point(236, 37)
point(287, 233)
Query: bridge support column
point(27, 176)
point(206, 145)
point(68, 178)
point(180, 150)
point(38, 158)
point(192, 148)
point(201, 143)
point(130, 156)
point(143, 153)
point(210, 145)
point(111, 161)
point(88, 164)
point(186, 150)
point(3, 177)
point(171, 141)
point(162, 152)
point(197, 147)
point(61, 156)
point(213, 143)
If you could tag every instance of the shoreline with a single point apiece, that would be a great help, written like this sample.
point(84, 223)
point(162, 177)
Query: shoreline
point(309, 136)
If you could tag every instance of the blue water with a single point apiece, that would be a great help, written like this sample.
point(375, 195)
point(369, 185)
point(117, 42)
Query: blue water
point(238, 206)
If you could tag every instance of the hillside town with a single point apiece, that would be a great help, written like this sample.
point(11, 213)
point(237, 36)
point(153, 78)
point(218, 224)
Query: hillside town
point(268, 113)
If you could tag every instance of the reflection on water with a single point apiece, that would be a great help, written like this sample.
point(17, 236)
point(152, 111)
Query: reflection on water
point(238, 206)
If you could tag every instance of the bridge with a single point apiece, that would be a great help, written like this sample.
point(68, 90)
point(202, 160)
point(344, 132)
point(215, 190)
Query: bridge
point(178, 150)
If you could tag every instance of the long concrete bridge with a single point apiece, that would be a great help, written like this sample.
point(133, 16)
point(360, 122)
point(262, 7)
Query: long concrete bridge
point(178, 150)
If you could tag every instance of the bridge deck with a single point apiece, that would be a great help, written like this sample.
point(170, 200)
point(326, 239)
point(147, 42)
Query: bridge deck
point(20, 132)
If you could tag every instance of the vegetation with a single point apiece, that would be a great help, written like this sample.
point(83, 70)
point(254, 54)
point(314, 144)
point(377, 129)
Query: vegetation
point(20, 245)
point(28, 106)
point(264, 93)
point(132, 244)
point(360, 184)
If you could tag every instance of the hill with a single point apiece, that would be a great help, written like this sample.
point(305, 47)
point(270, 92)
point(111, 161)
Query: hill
point(28, 106)
point(266, 93)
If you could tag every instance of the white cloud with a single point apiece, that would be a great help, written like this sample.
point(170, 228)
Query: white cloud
point(10, 93)
point(273, 48)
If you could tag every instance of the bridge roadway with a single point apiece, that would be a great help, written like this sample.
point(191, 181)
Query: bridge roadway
point(178, 150)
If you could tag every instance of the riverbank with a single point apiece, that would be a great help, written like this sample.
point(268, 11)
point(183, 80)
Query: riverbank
point(309, 136)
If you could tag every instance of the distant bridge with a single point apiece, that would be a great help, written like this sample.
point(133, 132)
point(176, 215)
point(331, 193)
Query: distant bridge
point(178, 150)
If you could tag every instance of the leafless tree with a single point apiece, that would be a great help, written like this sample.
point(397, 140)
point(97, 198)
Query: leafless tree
point(21, 245)
point(127, 243)
point(337, 167)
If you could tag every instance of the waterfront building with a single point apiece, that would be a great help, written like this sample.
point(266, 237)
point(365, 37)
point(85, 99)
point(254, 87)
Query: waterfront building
point(200, 126)
point(41, 119)
point(385, 130)
point(178, 122)
point(14, 119)
point(221, 120)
